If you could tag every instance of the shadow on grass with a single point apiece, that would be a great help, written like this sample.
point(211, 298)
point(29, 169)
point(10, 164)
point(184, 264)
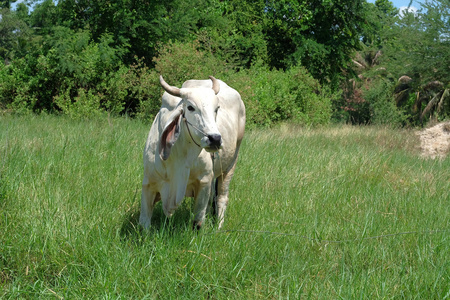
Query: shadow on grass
point(180, 221)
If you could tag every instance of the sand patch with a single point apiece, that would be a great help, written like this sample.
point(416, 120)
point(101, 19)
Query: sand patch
point(435, 141)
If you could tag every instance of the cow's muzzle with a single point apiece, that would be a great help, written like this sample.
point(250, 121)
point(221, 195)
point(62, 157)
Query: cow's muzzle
point(213, 142)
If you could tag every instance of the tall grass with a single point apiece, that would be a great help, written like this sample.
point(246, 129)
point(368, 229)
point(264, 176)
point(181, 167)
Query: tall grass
point(346, 212)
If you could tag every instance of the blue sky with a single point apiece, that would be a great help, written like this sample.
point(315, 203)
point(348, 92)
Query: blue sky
point(401, 3)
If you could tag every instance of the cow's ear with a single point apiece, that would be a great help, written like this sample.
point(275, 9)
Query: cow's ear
point(170, 134)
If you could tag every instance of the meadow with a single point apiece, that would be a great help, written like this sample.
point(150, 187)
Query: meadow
point(339, 212)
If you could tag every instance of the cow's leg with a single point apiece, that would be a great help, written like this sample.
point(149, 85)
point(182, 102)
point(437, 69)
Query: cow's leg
point(223, 183)
point(201, 203)
point(147, 204)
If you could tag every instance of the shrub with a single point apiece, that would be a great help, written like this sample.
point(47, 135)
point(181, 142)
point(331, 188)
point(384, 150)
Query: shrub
point(272, 96)
point(144, 91)
point(80, 78)
point(178, 62)
point(84, 79)
point(381, 105)
point(84, 105)
point(369, 102)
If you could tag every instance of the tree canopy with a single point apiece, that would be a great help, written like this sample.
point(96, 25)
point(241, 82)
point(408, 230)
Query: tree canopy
point(59, 53)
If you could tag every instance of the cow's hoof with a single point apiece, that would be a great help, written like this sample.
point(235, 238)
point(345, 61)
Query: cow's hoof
point(145, 223)
point(197, 225)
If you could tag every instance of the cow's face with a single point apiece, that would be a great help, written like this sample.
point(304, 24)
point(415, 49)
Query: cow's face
point(200, 106)
point(198, 111)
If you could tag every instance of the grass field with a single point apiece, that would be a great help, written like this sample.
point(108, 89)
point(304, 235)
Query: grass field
point(329, 213)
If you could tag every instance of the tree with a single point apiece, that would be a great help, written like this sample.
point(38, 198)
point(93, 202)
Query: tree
point(420, 50)
point(137, 26)
point(408, 56)
point(380, 17)
point(6, 4)
point(13, 34)
point(320, 35)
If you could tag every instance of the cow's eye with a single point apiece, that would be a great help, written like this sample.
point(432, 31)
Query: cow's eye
point(190, 108)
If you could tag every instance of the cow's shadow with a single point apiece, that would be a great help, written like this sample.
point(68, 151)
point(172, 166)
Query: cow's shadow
point(180, 221)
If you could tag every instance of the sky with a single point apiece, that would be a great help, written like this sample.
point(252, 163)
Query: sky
point(402, 4)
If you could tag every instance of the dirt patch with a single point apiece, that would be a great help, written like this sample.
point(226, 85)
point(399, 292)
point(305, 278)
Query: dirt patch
point(435, 141)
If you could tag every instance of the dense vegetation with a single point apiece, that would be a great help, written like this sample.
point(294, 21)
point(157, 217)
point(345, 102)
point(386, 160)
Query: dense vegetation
point(311, 62)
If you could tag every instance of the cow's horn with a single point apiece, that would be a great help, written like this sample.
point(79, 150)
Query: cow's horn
point(216, 84)
point(174, 91)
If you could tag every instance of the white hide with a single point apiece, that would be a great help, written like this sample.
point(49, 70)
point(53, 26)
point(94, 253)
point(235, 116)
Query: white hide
point(172, 172)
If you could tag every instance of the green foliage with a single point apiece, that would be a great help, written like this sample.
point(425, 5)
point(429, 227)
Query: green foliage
point(400, 68)
point(281, 34)
point(270, 96)
point(138, 26)
point(82, 80)
point(419, 45)
point(6, 4)
point(85, 104)
point(77, 77)
point(380, 18)
point(14, 34)
point(74, 56)
point(178, 62)
point(245, 36)
point(43, 18)
point(370, 102)
point(321, 35)
point(381, 105)
point(274, 96)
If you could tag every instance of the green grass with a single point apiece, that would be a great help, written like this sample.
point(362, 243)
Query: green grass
point(342, 212)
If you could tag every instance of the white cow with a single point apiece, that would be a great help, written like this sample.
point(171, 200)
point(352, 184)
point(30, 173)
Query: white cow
point(198, 120)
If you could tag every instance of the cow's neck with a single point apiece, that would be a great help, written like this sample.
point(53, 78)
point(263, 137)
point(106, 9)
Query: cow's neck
point(184, 154)
point(186, 150)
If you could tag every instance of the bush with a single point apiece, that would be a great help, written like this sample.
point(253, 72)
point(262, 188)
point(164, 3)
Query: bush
point(84, 79)
point(144, 91)
point(79, 78)
point(381, 105)
point(272, 96)
point(69, 68)
point(178, 62)
point(369, 102)
point(85, 104)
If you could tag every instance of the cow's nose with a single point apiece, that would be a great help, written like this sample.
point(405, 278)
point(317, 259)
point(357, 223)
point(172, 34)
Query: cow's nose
point(215, 140)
